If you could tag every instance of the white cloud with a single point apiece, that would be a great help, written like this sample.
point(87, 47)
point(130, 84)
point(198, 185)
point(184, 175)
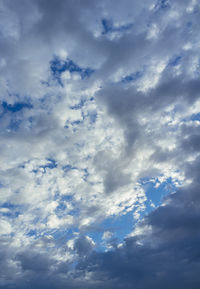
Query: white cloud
point(5, 227)
point(107, 235)
point(77, 153)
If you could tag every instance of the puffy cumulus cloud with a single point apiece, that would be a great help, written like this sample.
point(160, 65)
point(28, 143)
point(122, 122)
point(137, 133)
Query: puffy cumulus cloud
point(99, 120)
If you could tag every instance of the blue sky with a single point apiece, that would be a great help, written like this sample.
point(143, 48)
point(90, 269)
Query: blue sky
point(99, 126)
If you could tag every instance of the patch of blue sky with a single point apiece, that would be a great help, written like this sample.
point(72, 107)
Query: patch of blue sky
point(67, 198)
point(63, 201)
point(91, 115)
point(108, 27)
point(13, 110)
point(38, 232)
point(61, 207)
point(195, 116)
point(58, 66)
point(79, 105)
point(175, 60)
point(23, 165)
point(76, 122)
point(162, 4)
point(119, 226)
point(156, 192)
point(14, 124)
point(86, 174)
point(32, 233)
point(50, 164)
point(66, 126)
point(122, 225)
point(96, 236)
point(75, 125)
point(61, 236)
point(8, 205)
point(15, 107)
point(63, 211)
point(75, 212)
point(12, 212)
point(132, 77)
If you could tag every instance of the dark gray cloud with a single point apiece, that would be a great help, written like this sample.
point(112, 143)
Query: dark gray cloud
point(164, 254)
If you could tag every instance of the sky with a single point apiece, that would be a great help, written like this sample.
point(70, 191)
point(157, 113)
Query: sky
point(99, 144)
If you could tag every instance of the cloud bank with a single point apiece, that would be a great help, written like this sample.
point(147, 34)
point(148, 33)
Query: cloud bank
point(100, 144)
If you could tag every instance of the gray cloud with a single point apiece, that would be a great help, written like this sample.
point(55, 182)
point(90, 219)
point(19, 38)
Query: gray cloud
point(77, 149)
point(165, 254)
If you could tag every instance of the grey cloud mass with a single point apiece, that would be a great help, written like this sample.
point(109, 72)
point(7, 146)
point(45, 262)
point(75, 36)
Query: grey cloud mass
point(99, 144)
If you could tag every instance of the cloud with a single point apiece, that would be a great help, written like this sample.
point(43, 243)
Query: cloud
point(162, 251)
point(99, 120)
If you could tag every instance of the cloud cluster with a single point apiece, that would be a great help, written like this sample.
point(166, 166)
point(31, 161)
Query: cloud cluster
point(99, 120)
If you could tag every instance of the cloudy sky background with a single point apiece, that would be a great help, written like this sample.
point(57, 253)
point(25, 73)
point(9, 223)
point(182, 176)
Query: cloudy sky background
point(99, 144)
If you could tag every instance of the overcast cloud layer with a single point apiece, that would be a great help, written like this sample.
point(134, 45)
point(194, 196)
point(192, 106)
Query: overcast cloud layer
point(99, 144)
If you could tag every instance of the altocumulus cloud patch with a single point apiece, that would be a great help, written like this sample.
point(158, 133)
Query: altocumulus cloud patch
point(100, 146)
